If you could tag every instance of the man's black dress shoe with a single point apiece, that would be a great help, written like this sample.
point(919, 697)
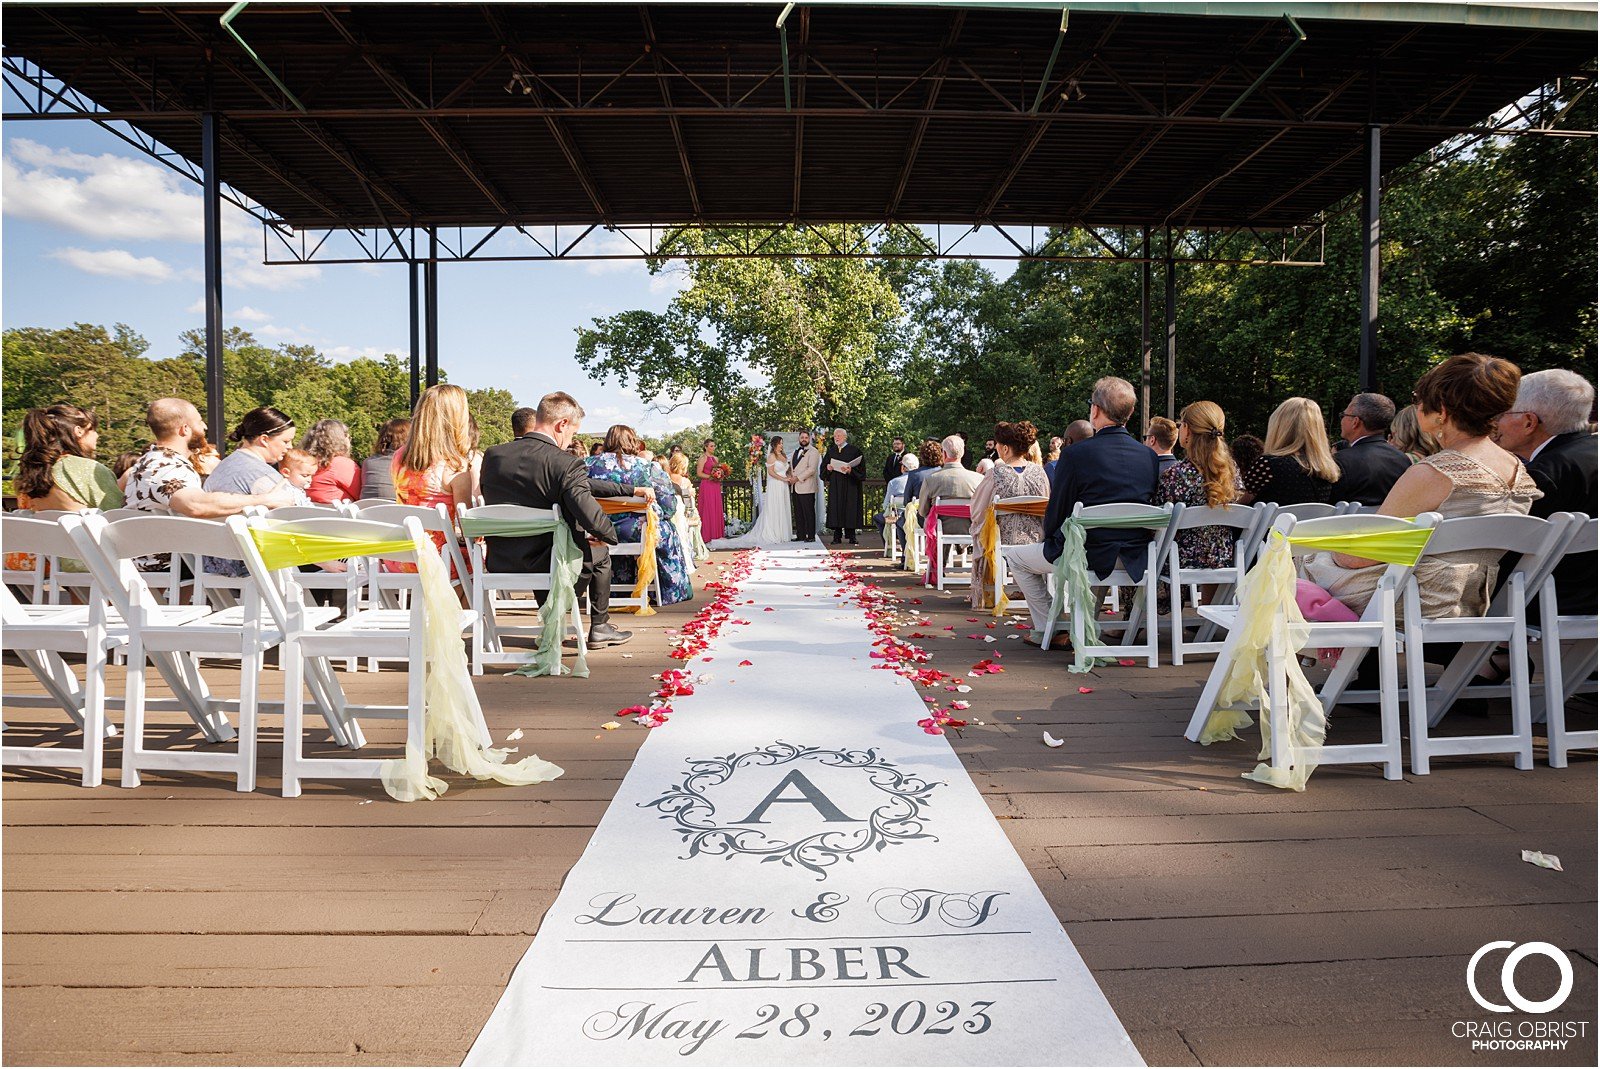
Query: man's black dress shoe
point(603, 635)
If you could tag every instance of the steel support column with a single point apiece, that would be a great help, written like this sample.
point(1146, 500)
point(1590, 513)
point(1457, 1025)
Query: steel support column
point(415, 359)
point(211, 210)
point(1370, 234)
point(1172, 332)
point(1144, 331)
point(430, 275)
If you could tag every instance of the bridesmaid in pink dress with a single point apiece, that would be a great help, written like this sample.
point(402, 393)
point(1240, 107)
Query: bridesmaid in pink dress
point(710, 496)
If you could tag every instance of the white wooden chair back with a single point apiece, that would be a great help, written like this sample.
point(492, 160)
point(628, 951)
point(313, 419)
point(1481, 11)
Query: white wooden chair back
point(25, 532)
point(1306, 510)
point(487, 631)
point(1569, 648)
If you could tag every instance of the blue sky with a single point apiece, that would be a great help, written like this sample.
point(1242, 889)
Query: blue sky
point(95, 232)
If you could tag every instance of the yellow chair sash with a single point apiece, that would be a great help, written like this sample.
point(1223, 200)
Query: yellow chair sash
point(614, 506)
point(1268, 615)
point(989, 544)
point(453, 720)
point(910, 523)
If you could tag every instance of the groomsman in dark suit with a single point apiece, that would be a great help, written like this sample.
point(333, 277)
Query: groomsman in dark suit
point(1368, 466)
point(897, 457)
point(1549, 430)
point(536, 470)
point(1111, 467)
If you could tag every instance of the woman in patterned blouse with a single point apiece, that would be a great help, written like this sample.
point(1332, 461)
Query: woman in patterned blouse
point(1205, 477)
point(620, 464)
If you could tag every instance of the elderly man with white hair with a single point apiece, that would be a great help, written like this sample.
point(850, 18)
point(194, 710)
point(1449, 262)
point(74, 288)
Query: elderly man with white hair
point(951, 482)
point(1549, 430)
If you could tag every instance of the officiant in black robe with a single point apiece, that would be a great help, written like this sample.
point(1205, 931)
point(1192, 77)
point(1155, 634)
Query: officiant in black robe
point(844, 487)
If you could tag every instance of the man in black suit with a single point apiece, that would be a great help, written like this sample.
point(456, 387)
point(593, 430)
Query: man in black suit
point(537, 471)
point(897, 456)
point(1368, 466)
point(1549, 430)
point(1111, 467)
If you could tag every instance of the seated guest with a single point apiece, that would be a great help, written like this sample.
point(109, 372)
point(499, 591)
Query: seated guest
point(1368, 466)
point(621, 463)
point(894, 495)
point(930, 454)
point(1205, 477)
point(299, 468)
point(1407, 436)
point(377, 471)
point(1109, 468)
point(1246, 450)
point(1015, 474)
point(1297, 466)
point(338, 477)
point(1160, 436)
point(985, 465)
point(205, 459)
point(57, 471)
point(687, 519)
point(1458, 402)
point(163, 480)
point(950, 482)
point(1079, 430)
point(1548, 428)
point(536, 471)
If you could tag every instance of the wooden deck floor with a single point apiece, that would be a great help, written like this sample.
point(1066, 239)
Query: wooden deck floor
point(1227, 923)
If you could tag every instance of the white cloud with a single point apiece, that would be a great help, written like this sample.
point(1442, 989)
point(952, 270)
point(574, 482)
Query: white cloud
point(608, 243)
point(242, 268)
point(298, 335)
point(116, 263)
point(356, 352)
point(246, 314)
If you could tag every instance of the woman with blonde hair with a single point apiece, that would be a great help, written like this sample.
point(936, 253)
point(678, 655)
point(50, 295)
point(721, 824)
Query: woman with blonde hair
point(338, 476)
point(687, 518)
point(1205, 477)
point(1298, 465)
point(1407, 435)
point(437, 465)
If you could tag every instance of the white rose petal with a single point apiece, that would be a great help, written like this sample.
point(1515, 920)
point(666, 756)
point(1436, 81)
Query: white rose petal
point(1052, 742)
point(514, 736)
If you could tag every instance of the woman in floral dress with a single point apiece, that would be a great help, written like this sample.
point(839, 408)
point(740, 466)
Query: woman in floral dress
point(1206, 477)
point(619, 464)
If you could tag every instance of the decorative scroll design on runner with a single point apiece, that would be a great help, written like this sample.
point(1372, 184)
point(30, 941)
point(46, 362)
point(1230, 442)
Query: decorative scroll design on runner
point(900, 819)
point(958, 909)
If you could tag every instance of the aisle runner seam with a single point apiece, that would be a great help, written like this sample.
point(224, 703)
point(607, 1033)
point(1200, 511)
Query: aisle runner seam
point(810, 759)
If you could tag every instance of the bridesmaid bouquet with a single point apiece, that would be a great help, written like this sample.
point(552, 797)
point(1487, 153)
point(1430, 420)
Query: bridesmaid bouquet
point(721, 472)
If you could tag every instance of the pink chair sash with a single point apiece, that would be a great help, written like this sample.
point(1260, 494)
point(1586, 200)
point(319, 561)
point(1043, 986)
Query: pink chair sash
point(930, 527)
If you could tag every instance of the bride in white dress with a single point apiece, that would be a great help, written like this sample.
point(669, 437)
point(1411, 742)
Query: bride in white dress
point(774, 524)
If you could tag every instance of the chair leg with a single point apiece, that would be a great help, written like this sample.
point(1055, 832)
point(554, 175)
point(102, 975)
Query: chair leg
point(477, 634)
point(249, 707)
point(1277, 711)
point(1208, 695)
point(293, 709)
point(1417, 705)
point(1555, 694)
point(94, 715)
point(1521, 698)
point(416, 700)
point(133, 715)
point(1389, 697)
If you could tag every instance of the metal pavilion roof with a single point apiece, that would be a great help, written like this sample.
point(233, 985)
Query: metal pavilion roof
point(1218, 114)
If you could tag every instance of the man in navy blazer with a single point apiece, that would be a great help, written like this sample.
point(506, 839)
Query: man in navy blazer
point(1109, 468)
point(1369, 466)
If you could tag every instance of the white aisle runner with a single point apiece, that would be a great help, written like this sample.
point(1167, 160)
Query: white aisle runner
point(793, 873)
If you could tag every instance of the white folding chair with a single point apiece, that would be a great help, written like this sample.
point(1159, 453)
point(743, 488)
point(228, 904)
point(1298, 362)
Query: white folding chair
point(1245, 521)
point(1568, 644)
point(488, 587)
point(951, 551)
point(308, 652)
point(362, 504)
point(1306, 510)
point(29, 584)
point(175, 638)
point(1142, 613)
point(891, 528)
point(1535, 542)
point(621, 592)
point(1375, 630)
point(38, 635)
point(1001, 575)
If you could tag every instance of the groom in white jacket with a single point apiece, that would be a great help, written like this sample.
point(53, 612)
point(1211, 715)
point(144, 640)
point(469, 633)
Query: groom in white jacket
point(804, 466)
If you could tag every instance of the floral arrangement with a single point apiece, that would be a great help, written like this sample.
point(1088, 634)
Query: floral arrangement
point(721, 472)
point(734, 526)
point(758, 448)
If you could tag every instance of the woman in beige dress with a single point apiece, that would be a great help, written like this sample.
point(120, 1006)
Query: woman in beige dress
point(1457, 403)
point(1016, 474)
